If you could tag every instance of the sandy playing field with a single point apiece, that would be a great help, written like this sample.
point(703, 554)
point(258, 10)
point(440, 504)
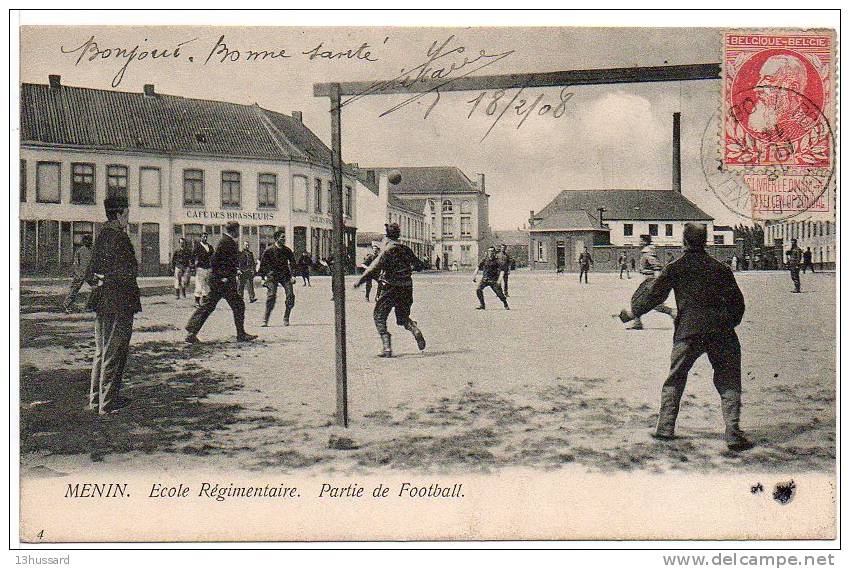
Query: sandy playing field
point(555, 381)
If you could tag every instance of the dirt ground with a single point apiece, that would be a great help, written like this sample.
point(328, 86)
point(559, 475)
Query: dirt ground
point(553, 382)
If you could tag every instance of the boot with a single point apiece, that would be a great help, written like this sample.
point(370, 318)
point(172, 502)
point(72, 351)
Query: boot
point(730, 405)
point(388, 346)
point(420, 339)
point(177, 293)
point(670, 399)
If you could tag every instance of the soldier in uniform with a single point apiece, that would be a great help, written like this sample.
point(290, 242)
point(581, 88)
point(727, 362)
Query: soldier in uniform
point(710, 307)
point(489, 268)
point(807, 260)
point(247, 267)
point(224, 277)
point(650, 266)
point(181, 267)
point(277, 267)
point(368, 261)
point(393, 268)
point(794, 258)
point(202, 255)
point(624, 266)
point(584, 263)
point(82, 257)
point(304, 262)
point(505, 264)
point(115, 299)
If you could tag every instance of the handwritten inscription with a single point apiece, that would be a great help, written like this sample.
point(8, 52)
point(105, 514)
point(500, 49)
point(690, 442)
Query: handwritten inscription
point(521, 107)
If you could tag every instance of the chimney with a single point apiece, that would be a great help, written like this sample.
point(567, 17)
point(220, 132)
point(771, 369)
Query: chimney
point(677, 153)
point(55, 81)
point(298, 116)
point(531, 218)
point(149, 90)
point(370, 176)
point(481, 183)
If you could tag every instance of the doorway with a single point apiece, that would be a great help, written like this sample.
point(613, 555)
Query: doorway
point(150, 249)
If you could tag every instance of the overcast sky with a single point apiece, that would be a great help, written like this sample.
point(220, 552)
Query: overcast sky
point(608, 136)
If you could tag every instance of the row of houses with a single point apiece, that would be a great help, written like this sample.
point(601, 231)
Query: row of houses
point(187, 166)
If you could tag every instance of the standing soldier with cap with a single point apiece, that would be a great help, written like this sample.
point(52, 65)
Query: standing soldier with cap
point(794, 258)
point(624, 266)
point(489, 268)
point(82, 257)
point(584, 263)
point(807, 260)
point(304, 262)
point(115, 299)
point(181, 266)
point(202, 256)
point(505, 263)
point(710, 307)
point(224, 276)
point(247, 266)
point(277, 267)
point(393, 268)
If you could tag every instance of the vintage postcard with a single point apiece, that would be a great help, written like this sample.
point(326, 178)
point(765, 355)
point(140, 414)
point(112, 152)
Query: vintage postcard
point(289, 283)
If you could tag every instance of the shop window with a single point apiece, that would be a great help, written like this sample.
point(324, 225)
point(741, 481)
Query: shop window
point(193, 232)
point(116, 181)
point(193, 187)
point(299, 193)
point(266, 234)
point(150, 187)
point(48, 182)
point(80, 230)
point(231, 189)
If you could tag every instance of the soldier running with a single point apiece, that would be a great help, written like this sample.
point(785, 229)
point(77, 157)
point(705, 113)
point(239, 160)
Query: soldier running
point(392, 267)
point(277, 265)
point(489, 268)
point(710, 307)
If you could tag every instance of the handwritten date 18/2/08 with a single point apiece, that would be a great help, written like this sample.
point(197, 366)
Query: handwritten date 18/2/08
point(497, 103)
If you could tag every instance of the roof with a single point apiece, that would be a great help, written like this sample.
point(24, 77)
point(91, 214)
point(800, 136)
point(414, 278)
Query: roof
point(509, 237)
point(430, 180)
point(654, 205)
point(404, 205)
point(723, 228)
point(119, 120)
point(368, 237)
point(572, 220)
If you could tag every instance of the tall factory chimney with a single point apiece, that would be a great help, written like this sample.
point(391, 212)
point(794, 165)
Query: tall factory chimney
point(677, 153)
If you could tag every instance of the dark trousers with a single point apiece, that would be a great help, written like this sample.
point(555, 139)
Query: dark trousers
point(505, 279)
point(218, 290)
point(271, 295)
point(74, 289)
point(305, 276)
point(724, 352)
point(368, 288)
point(112, 333)
point(808, 265)
point(625, 268)
point(247, 280)
point(399, 298)
point(795, 277)
point(583, 271)
point(497, 288)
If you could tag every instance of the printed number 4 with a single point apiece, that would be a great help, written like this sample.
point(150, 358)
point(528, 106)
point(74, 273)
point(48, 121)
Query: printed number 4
point(40, 534)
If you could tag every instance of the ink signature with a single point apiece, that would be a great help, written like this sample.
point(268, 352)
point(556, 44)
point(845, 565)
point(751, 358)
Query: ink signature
point(520, 106)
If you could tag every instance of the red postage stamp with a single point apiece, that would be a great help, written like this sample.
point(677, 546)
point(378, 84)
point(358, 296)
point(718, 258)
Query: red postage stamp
point(778, 100)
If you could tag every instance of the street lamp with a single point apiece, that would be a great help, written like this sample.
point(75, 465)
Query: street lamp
point(601, 211)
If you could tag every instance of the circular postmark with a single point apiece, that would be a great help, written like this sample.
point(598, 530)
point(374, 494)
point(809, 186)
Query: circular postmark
point(769, 168)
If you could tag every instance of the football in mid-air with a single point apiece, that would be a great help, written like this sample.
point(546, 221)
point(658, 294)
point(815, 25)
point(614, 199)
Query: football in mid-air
point(394, 177)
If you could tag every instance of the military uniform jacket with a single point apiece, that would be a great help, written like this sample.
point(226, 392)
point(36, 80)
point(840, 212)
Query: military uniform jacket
point(182, 258)
point(247, 263)
point(794, 257)
point(277, 261)
point(225, 261)
point(707, 297)
point(113, 257)
point(394, 265)
point(202, 253)
point(489, 269)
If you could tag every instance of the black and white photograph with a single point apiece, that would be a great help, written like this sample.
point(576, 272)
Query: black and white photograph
point(417, 282)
